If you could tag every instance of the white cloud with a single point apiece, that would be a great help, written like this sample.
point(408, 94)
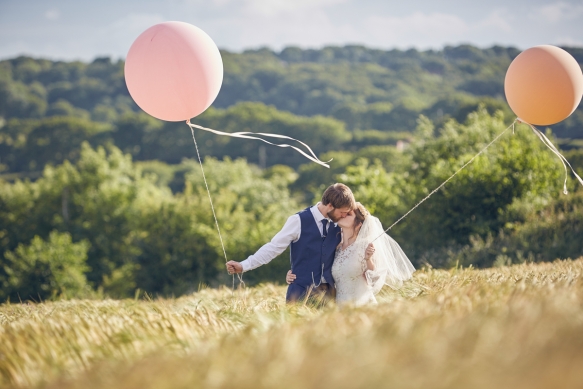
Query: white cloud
point(132, 23)
point(556, 12)
point(415, 27)
point(317, 27)
point(52, 14)
point(568, 41)
point(119, 35)
point(113, 39)
point(299, 27)
point(61, 30)
point(279, 7)
point(500, 19)
point(271, 8)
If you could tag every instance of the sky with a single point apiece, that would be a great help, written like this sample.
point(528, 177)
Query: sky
point(84, 30)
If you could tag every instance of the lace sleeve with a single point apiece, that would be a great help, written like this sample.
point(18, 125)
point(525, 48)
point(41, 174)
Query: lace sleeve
point(360, 250)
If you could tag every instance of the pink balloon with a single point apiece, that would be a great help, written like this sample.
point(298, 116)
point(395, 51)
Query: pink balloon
point(174, 71)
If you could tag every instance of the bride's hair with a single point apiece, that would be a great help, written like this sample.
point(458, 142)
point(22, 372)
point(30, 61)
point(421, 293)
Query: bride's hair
point(360, 213)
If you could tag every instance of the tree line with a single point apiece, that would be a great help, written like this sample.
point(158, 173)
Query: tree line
point(106, 224)
point(368, 89)
point(98, 198)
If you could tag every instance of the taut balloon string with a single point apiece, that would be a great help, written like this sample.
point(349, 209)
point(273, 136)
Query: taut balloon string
point(212, 206)
point(247, 135)
point(546, 141)
point(450, 177)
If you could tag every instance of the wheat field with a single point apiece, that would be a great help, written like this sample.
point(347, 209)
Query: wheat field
point(509, 327)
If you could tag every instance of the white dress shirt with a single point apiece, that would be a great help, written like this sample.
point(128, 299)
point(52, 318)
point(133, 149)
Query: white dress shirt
point(290, 233)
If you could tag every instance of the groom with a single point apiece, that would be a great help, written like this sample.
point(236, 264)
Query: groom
point(313, 236)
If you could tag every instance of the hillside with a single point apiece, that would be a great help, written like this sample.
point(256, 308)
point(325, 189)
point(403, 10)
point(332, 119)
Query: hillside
point(370, 97)
point(505, 327)
point(92, 185)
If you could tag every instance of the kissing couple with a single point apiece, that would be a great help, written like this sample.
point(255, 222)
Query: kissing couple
point(339, 251)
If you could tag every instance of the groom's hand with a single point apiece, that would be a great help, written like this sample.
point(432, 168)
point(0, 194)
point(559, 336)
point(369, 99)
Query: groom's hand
point(234, 267)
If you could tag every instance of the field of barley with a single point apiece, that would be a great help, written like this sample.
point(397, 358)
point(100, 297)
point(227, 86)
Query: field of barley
point(509, 327)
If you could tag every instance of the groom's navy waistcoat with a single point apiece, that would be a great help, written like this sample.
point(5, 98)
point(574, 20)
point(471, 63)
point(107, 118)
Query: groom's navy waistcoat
point(312, 255)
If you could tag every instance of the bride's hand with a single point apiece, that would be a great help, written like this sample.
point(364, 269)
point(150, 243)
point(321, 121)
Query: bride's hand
point(369, 251)
point(290, 277)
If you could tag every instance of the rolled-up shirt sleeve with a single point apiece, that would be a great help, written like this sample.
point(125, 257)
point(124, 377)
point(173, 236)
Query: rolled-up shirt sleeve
point(289, 233)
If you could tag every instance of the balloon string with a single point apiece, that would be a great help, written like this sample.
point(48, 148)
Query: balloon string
point(446, 181)
point(247, 135)
point(212, 206)
point(546, 141)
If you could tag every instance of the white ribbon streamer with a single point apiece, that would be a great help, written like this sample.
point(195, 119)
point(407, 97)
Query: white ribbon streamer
point(546, 141)
point(247, 135)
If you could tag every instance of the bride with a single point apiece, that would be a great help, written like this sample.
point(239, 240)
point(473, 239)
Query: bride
point(361, 267)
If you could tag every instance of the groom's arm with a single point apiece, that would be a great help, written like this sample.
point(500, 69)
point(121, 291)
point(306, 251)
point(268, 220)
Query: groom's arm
point(288, 234)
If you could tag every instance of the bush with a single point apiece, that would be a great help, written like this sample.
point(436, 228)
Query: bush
point(545, 235)
point(477, 201)
point(46, 269)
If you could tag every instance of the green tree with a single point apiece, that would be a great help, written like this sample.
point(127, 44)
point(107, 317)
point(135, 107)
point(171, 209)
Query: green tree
point(94, 200)
point(541, 233)
point(32, 144)
point(46, 269)
point(183, 248)
point(475, 202)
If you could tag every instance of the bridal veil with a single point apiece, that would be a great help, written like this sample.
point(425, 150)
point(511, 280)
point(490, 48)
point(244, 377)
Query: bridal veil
point(392, 266)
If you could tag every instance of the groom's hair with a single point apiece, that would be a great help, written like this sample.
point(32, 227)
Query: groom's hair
point(339, 196)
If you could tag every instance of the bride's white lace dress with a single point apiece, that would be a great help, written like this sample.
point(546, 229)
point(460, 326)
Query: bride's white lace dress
point(357, 285)
point(349, 272)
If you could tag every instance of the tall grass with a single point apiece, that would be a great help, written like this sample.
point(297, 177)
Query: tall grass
point(518, 326)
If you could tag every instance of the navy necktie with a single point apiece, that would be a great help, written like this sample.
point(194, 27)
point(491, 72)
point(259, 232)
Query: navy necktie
point(324, 225)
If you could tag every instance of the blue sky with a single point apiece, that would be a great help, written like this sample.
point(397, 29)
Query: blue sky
point(78, 29)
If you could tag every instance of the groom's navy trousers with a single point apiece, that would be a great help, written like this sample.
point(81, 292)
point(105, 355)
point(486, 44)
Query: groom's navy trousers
point(312, 257)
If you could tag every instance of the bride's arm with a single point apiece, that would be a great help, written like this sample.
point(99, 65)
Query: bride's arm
point(368, 257)
point(369, 266)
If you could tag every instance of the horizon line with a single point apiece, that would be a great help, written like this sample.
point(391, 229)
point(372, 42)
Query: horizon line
point(114, 58)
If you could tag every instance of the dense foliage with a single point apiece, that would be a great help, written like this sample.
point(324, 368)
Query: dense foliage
point(98, 197)
point(135, 233)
